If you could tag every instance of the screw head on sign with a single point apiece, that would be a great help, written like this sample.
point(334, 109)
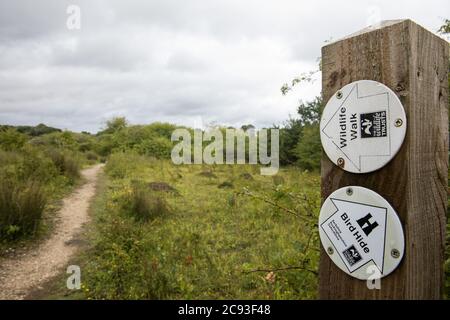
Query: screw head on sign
point(398, 122)
point(349, 191)
point(341, 162)
point(330, 250)
point(395, 253)
point(339, 95)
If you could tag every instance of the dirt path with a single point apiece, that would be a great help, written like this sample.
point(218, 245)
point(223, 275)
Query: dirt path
point(21, 274)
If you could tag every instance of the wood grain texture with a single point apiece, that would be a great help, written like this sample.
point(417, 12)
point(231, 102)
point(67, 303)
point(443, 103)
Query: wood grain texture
point(413, 62)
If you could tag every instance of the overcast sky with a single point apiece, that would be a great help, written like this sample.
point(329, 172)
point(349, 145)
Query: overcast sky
point(189, 62)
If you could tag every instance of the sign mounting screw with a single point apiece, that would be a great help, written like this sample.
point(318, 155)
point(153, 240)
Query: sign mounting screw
point(339, 95)
point(398, 122)
point(341, 162)
point(395, 253)
point(330, 250)
point(349, 191)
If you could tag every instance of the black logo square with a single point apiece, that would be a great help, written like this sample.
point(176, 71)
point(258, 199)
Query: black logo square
point(373, 125)
point(352, 255)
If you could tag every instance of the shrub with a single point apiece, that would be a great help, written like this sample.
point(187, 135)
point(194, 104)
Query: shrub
point(21, 208)
point(91, 156)
point(121, 165)
point(146, 205)
point(11, 139)
point(158, 147)
point(309, 148)
point(66, 162)
point(105, 145)
point(27, 165)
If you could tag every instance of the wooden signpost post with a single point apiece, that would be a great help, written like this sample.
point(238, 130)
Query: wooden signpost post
point(412, 62)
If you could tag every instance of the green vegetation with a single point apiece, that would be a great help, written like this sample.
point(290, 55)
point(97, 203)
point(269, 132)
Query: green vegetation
point(162, 231)
point(300, 139)
point(168, 232)
point(36, 169)
point(38, 130)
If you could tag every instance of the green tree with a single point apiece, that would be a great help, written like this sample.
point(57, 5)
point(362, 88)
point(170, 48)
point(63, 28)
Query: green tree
point(311, 111)
point(297, 144)
point(115, 125)
point(445, 28)
point(290, 134)
point(309, 148)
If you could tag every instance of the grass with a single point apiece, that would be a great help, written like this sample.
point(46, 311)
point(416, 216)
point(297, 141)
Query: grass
point(66, 162)
point(145, 205)
point(215, 243)
point(31, 187)
point(21, 208)
point(205, 241)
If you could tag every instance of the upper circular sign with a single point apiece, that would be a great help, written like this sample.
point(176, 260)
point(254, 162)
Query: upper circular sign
point(363, 126)
point(361, 233)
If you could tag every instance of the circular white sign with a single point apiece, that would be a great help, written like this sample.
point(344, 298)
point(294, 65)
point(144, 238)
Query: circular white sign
point(361, 233)
point(363, 126)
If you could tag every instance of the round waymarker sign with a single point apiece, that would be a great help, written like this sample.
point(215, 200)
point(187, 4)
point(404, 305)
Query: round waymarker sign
point(363, 126)
point(361, 233)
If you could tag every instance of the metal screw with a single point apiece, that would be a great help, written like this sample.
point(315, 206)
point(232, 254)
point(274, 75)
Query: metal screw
point(339, 95)
point(341, 162)
point(398, 122)
point(395, 253)
point(330, 250)
point(349, 191)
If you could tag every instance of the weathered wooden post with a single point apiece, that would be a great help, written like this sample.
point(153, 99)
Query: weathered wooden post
point(413, 62)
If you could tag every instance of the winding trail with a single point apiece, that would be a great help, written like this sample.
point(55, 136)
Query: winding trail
point(19, 275)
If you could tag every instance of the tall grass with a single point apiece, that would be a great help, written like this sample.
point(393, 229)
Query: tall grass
point(66, 162)
point(146, 205)
point(21, 208)
point(28, 177)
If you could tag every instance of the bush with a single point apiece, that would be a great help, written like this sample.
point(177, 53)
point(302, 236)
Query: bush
point(27, 165)
point(309, 148)
point(28, 173)
point(21, 208)
point(11, 139)
point(121, 165)
point(158, 147)
point(91, 156)
point(146, 205)
point(66, 162)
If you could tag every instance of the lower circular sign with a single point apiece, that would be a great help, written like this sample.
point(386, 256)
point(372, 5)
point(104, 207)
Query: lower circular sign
point(361, 233)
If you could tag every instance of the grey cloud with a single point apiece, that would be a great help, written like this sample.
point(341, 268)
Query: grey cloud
point(221, 61)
